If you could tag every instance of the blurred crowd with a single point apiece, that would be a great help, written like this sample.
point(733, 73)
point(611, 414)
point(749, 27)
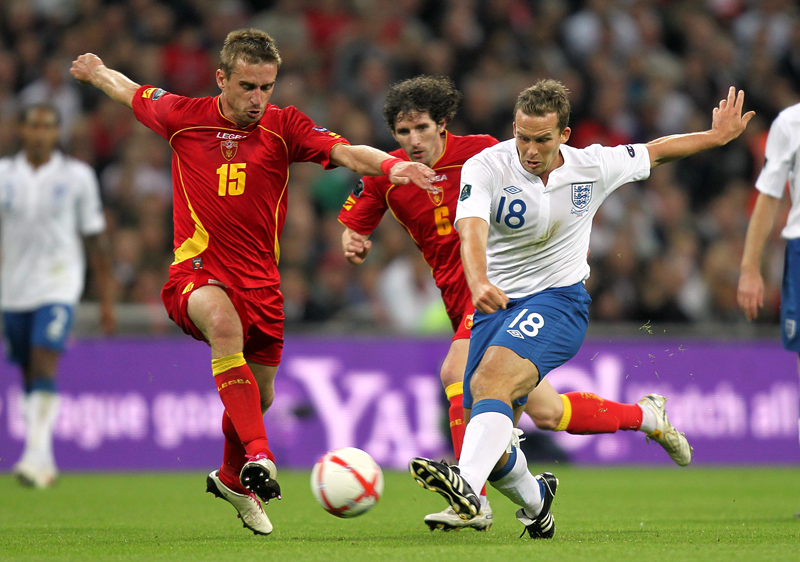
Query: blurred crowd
point(663, 250)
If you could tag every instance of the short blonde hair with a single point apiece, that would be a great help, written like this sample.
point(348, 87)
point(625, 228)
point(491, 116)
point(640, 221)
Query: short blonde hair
point(546, 96)
point(249, 45)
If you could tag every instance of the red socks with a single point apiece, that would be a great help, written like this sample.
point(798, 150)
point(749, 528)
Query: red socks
point(455, 394)
point(586, 413)
point(239, 393)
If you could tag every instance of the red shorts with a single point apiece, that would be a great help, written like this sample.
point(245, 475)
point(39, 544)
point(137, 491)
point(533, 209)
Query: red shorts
point(260, 310)
point(464, 328)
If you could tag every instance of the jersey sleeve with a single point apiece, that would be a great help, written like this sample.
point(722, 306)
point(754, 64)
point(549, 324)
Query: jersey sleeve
point(365, 206)
point(779, 157)
point(622, 164)
point(91, 219)
point(154, 108)
point(475, 197)
point(307, 141)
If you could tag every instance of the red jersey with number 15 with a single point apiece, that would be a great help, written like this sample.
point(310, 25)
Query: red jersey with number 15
point(229, 184)
point(427, 217)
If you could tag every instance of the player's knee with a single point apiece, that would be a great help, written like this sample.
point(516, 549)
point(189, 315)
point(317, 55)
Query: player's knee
point(450, 375)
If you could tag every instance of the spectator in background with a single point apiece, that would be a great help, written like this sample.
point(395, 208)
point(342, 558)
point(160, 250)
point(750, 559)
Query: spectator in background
point(50, 206)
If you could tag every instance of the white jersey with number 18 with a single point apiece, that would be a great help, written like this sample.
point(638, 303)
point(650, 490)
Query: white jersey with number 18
point(539, 234)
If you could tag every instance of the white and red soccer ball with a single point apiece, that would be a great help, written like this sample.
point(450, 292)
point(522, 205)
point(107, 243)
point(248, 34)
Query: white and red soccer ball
point(347, 482)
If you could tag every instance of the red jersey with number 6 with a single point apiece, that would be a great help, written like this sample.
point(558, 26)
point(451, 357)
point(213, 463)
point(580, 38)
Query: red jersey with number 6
point(229, 184)
point(426, 216)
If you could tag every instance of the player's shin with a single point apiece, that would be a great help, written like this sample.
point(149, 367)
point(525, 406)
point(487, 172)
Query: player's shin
point(485, 439)
point(233, 457)
point(455, 395)
point(516, 482)
point(586, 413)
point(240, 395)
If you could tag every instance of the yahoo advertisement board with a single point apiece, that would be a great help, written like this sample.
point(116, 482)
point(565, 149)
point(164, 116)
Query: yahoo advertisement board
point(151, 403)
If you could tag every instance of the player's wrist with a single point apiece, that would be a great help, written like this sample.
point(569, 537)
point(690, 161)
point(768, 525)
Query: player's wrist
point(386, 165)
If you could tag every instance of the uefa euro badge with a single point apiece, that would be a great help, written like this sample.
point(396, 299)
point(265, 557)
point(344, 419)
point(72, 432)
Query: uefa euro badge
point(229, 149)
point(790, 327)
point(466, 191)
point(581, 195)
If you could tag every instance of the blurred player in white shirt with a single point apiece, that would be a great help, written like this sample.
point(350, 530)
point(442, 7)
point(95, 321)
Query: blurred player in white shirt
point(781, 164)
point(524, 218)
point(49, 205)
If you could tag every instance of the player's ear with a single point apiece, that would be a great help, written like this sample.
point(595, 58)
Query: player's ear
point(221, 79)
point(565, 135)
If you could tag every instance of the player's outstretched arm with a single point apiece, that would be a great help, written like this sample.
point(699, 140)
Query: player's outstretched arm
point(750, 294)
point(89, 68)
point(368, 161)
point(727, 123)
point(356, 246)
point(474, 233)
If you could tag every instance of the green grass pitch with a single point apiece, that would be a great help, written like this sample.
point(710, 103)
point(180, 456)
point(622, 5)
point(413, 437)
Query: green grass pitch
point(602, 514)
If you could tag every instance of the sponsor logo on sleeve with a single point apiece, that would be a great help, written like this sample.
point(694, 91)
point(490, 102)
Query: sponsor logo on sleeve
point(790, 327)
point(631, 151)
point(466, 191)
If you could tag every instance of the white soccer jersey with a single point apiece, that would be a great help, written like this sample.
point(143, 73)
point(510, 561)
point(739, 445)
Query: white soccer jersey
point(44, 212)
point(782, 163)
point(539, 235)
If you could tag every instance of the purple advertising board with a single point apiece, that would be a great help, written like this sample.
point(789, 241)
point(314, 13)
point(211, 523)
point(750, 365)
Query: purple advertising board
point(151, 404)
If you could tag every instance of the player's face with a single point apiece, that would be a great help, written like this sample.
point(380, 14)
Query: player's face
point(39, 134)
point(246, 92)
point(538, 140)
point(420, 137)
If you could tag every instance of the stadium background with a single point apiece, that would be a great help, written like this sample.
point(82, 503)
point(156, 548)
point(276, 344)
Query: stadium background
point(664, 253)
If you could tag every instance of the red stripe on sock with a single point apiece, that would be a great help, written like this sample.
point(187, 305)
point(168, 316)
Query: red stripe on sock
point(239, 393)
point(593, 414)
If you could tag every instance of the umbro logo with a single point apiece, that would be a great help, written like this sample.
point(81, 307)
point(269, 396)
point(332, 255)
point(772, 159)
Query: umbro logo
point(512, 190)
point(516, 334)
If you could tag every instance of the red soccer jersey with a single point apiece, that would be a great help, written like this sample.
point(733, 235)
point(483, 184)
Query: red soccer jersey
point(229, 184)
point(426, 216)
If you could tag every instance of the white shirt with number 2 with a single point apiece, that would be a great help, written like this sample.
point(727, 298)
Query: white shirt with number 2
point(539, 235)
point(44, 214)
point(783, 163)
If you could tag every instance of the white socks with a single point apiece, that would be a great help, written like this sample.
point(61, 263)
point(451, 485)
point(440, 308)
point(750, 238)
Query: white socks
point(40, 411)
point(519, 485)
point(485, 440)
point(649, 421)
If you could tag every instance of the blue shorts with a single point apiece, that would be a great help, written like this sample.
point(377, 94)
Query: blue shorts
point(47, 326)
point(547, 328)
point(790, 297)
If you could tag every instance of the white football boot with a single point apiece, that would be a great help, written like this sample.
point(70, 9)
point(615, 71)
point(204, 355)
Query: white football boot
point(250, 510)
point(675, 444)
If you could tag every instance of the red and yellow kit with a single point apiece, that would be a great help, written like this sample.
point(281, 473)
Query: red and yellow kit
point(229, 184)
point(427, 217)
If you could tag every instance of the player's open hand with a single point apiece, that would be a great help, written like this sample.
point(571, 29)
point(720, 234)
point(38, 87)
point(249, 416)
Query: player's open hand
point(487, 298)
point(727, 119)
point(751, 293)
point(413, 172)
point(85, 66)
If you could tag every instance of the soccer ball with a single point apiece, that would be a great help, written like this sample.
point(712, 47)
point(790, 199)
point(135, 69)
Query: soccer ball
point(347, 482)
